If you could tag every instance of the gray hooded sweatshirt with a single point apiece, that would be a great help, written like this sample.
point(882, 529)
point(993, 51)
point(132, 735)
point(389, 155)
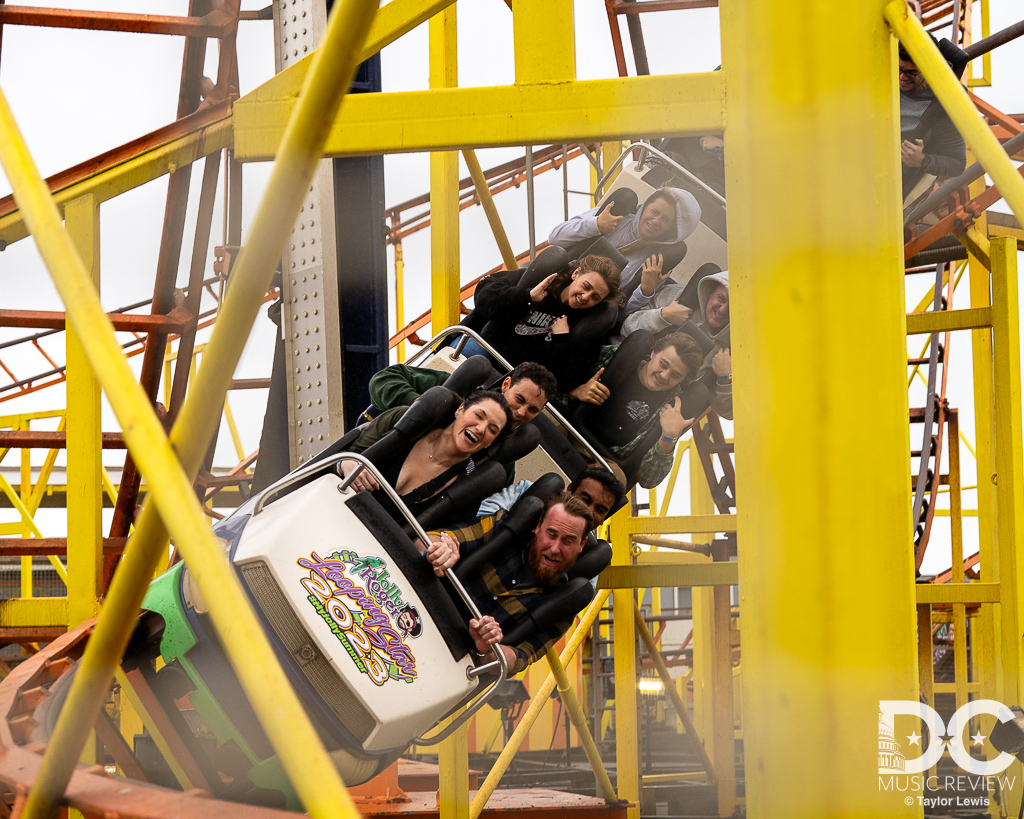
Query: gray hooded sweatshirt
point(626, 237)
point(650, 319)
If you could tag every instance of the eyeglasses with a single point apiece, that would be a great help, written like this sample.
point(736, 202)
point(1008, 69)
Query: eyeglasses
point(913, 73)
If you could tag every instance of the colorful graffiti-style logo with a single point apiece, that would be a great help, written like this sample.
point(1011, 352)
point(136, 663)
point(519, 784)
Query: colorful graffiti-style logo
point(366, 612)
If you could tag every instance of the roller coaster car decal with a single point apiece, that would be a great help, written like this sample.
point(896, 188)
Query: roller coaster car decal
point(365, 611)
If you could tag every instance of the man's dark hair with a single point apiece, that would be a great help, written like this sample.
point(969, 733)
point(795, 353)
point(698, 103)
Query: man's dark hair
point(477, 396)
point(604, 477)
point(686, 348)
point(573, 506)
point(538, 374)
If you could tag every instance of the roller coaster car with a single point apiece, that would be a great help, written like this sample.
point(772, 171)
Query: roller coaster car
point(372, 640)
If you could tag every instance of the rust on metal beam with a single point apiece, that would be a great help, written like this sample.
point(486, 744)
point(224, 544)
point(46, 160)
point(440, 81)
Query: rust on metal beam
point(204, 131)
point(217, 24)
point(47, 439)
point(641, 6)
point(172, 322)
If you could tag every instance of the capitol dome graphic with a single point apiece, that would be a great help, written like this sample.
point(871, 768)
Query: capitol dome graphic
point(890, 758)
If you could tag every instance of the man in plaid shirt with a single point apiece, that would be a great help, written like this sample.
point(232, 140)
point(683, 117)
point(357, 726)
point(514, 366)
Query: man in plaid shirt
point(512, 583)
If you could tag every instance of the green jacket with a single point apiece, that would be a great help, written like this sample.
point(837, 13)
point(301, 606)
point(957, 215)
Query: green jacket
point(399, 385)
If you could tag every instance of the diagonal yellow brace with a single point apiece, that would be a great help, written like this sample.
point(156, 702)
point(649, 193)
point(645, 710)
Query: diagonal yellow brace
point(537, 702)
point(311, 771)
point(579, 720)
point(958, 105)
point(487, 203)
point(673, 694)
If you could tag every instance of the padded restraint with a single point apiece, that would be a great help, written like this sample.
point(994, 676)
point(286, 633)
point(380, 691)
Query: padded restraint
point(512, 532)
point(557, 446)
point(564, 603)
point(518, 445)
point(545, 486)
point(689, 295)
point(436, 407)
point(593, 560)
point(469, 375)
point(704, 341)
point(417, 571)
point(552, 259)
point(461, 500)
point(623, 202)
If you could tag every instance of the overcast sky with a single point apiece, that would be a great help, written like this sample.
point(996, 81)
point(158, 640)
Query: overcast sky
point(76, 94)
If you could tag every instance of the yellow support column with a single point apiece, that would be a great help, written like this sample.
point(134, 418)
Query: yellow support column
point(85, 489)
point(444, 185)
point(1008, 447)
point(987, 622)
point(818, 323)
point(627, 736)
point(702, 598)
point(453, 753)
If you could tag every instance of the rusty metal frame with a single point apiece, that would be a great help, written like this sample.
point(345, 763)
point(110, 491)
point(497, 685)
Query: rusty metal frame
point(218, 23)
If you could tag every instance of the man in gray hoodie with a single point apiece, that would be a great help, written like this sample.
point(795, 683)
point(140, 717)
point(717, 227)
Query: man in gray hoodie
point(651, 234)
point(663, 312)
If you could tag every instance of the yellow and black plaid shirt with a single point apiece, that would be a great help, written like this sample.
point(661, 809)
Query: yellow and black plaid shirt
point(505, 588)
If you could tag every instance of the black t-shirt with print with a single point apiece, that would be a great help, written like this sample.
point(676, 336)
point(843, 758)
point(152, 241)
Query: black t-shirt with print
point(529, 337)
point(619, 419)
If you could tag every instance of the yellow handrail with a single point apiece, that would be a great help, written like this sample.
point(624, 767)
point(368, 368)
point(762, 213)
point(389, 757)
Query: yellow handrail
point(315, 778)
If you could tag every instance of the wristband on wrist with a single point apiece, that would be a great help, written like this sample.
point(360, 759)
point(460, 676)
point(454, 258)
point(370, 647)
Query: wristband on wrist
point(725, 379)
point(668, 439)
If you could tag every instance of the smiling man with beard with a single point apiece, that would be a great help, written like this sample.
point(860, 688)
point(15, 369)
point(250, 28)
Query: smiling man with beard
point(507, 587)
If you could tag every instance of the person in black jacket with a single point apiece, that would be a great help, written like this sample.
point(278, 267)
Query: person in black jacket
point(930, 141)
point(546, 322)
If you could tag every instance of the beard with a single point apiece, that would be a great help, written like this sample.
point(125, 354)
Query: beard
point(544, 574)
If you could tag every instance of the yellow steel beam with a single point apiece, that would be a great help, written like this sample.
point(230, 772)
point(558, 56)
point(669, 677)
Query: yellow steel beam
point(568, 112)
point(804, 538)
point(132, 173)
point(508, 255)
point(393, 20)
point(453, 753)
point(988, 621)
point(976, 243)
point(957, 104)
point(21, 612)
point(681, 524)
point(444, 183)
point(1008, 477)
point(720, 573)
point(971, 318)
point(957, 592)
point(627, 736)
point(545, 43)
point(579, 721)
point(310, 769)
point(84, 441)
